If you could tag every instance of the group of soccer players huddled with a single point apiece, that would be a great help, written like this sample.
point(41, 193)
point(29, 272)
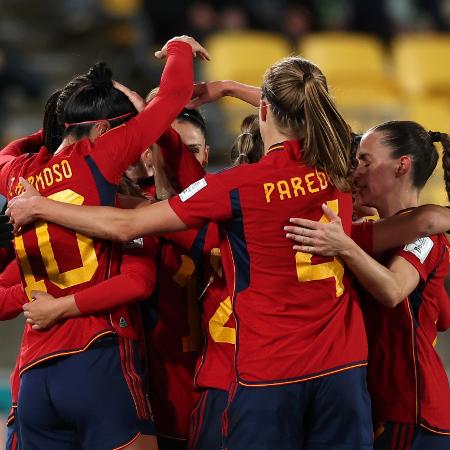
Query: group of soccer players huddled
point(256, 308)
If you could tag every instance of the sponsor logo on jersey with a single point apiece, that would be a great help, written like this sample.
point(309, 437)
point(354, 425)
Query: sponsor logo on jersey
point(192, 189)
point(420, 248)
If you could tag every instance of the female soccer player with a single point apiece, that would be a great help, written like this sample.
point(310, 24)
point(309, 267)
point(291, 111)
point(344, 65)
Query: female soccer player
point(87, 170)
point(300, 379)
point(406, 304)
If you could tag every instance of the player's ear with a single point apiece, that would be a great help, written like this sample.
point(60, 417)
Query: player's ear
point(263, 110)
point(205, 161)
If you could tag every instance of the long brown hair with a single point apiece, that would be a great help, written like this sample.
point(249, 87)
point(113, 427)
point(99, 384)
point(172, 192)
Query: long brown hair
point(297, 92)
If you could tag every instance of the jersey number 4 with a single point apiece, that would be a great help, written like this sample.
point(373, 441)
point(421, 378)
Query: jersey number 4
point(306, 271)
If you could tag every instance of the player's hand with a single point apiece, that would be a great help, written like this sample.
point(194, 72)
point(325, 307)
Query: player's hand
point(137, 101)
point(318, 238)
point(43, 312)
point(206, 92)
point(197, 49)
point(6, 231)
point(20, 208)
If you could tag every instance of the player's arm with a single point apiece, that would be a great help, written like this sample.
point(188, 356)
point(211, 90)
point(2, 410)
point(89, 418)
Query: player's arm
point(211, 91)
point(27, 144)
point(136, 281)
point(12, 295)
point(180, 162)
point(114, 151)
point(401, 229)
point(98, 221)
point(388, 233)
point(389, 285)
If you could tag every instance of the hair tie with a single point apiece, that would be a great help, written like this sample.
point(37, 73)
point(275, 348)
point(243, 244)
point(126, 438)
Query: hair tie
point(307, 76)
point(87, 122)
point(435, 136)
point(244, 133)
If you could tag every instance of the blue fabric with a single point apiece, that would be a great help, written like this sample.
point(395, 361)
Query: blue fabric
point(79, 401)
point(326, 413)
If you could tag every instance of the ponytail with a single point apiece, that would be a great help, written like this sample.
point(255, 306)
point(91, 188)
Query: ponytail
point(328, 136)
point(248, 147)
point(297, 92)
point(53, 131)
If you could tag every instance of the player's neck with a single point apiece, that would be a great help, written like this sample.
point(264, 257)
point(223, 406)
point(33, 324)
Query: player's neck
point(395, 202)
point(68, 140)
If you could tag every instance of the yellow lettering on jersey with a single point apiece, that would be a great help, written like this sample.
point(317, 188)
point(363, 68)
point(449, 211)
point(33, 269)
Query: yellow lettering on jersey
point(67, 170)
point(66, 279)
point(287, 189)
point(310, 182)
point(322, 179)
point(47, 177)
point(296, 183)
point(268, 189)
point(56, 171)
point(217, 329)
point(283, 189)
point(306, 271)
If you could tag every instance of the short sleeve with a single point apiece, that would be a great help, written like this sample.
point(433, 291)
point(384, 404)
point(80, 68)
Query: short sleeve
point(420, 254)
point(206, 200)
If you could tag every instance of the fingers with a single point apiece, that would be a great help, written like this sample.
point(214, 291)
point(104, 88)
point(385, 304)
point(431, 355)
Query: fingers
point(133, 96)
point(304, 240)
point(201, 52)
point(329, 212)
point(306, 223)
point(303, 248)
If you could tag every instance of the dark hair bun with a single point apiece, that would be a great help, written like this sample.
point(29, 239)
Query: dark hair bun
point(100, 75)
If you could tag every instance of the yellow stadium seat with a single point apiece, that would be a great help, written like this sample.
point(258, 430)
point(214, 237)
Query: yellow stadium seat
point(354, 65)
point(433, 114)
point(243, 56)
point(422, 63)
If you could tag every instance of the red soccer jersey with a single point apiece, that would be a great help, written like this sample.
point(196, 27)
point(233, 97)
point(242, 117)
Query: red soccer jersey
point(28, 144)
point(215, 363)
point(62, 262)
point(290, 308)
point(406, 377)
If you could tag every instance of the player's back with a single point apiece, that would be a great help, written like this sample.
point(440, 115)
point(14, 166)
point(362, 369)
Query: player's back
point(290, 307)
point(55, 259)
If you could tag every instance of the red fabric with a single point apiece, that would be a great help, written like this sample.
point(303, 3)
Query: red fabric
point(136, 280)
point(406, 378)
point(6, 256)
point(362, 234)
point(92, 172)
point(181, 164)
point(288, 330)
point(28, 144)
point(12, 296)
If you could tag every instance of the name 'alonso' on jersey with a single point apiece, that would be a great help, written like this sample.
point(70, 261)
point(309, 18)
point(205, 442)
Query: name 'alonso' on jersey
point(297, 315)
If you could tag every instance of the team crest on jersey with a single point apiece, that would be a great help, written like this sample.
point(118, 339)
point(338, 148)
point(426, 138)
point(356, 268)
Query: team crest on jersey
point(420, 248)
point(192, 189)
